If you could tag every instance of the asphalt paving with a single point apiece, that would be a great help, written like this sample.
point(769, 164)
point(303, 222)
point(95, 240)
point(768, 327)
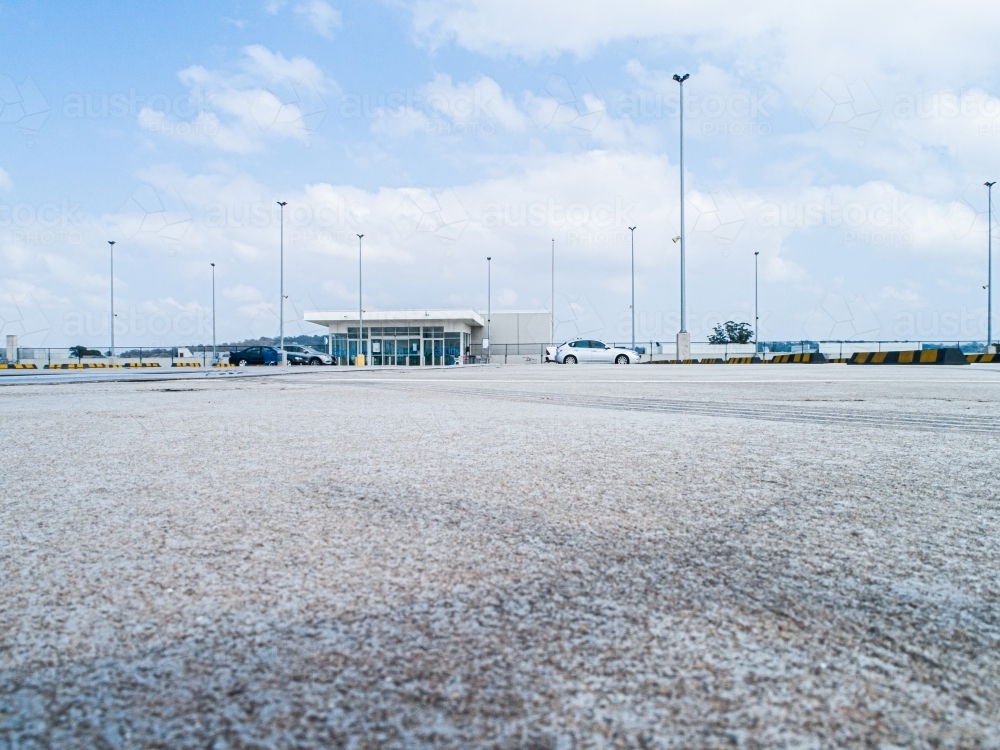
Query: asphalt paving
point(505, 557)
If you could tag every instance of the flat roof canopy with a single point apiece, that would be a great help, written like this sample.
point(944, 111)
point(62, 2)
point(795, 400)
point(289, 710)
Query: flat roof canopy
point(414, 317)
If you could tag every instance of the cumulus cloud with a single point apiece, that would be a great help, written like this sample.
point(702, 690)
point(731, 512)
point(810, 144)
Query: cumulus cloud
point(478, 105)
point(321, 16)
point(267, 97)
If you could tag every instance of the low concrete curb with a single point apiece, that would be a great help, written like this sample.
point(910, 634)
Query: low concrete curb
point(82, 366)
point(983, 357)
point(806, 358)
point(953, 356)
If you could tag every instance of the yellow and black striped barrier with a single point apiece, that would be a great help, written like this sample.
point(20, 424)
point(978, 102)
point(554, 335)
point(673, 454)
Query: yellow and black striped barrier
point(952, 356)
point(16, 366)
point(837, 360)
point(223, 364)
point(743, 361)
point(81, 366)
point(186, 364)
point(142, 364)
point(983, 357)
point(805, 357)
point(712, 361)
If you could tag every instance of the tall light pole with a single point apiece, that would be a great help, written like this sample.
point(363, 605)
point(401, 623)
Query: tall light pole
point(989, 277)
point(281, 291)
point(683, 337)
point(112, 243)
point(489, 302)
point(361, 315)
point(215, 356)
point(552, 322)
point(756, 313)
point(632, 230)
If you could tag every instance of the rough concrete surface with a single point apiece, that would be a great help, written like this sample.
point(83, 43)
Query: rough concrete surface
point(523, 557)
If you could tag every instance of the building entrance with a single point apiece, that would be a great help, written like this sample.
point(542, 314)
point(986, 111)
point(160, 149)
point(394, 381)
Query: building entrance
point(396, 352)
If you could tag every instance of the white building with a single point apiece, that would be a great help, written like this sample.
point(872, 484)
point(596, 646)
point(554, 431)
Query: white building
point(432, 337)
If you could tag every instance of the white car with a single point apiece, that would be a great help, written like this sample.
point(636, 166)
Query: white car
point(586, 351)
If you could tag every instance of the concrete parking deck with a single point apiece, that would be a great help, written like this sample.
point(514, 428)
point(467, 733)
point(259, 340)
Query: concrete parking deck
point(550, 557)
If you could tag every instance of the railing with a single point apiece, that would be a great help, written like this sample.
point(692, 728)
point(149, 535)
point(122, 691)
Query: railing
point(656, 351)
point(162, 355)
point(524, 353)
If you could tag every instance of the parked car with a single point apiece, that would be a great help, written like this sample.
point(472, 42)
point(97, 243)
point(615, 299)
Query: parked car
point(586, 351)
point(311, 356)
point(255, 355)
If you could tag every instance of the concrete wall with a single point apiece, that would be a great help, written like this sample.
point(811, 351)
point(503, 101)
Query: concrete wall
point(515, 327)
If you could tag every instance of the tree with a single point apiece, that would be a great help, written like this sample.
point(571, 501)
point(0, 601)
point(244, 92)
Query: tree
point(731, 332)
point(80, 352)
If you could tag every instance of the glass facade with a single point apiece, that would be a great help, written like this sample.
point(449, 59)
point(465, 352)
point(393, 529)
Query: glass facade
point(410, 346)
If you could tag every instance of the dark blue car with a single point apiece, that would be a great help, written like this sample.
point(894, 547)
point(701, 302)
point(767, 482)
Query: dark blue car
point(255, 355)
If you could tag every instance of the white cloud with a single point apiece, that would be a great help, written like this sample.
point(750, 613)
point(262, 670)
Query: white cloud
point(478, 106)
point(474, 101)
point(321, 16)
point(242, 293)
point(273, 97)
point(5, 182)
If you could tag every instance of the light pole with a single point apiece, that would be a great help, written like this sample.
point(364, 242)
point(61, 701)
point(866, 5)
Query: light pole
point(989, 273)
point(683, 337)
point(756, 313)
point(215, 356)
point(112, 243)
point(632, 230)
point(281, 291)
point(361, 316)
point(489, 303)
point(552, 322)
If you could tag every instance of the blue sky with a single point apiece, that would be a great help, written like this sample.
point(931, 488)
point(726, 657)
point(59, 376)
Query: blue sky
point(847, 145)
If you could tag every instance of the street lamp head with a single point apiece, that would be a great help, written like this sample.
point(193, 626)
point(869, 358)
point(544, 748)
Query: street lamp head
point(282, 203)
point(681, 79)
point(111, 242)
point(488, 258)
point(213, 265)
point(360, 236)
point(676, 239)
point(757, 252)
point(631, 229)
point(990, 184)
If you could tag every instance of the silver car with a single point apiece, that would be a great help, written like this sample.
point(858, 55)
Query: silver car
point(586, 351)
point(309, 356)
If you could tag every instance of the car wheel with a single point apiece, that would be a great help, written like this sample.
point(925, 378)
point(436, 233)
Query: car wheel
point(243, 363)
point(569, 360)
point(621, 359)
point(315, 361)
